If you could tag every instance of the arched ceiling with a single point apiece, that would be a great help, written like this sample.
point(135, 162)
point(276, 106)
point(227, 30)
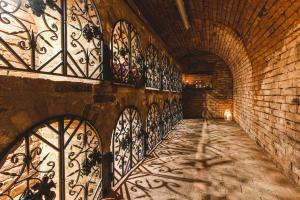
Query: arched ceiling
point(201, 62)
point(234, 30)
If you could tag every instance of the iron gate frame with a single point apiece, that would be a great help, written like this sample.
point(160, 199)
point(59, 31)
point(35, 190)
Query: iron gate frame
point(89, 31)
point(166, 121)
point(151, 126)
point(128, 142)
point(152, 68)
point(134, 52)
point(94, 158)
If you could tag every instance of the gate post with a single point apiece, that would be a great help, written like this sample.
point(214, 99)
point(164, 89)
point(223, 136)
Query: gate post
point(107, 173)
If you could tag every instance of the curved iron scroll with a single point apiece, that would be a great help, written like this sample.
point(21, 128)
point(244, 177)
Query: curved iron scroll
point(153, 128)
point(153, 74)
point(166, 119)
point(174, 113)
point(180, 111)
point(59, 159)
point(35, 38)
point(128, 143)
point(127, 60)
point(166, 74)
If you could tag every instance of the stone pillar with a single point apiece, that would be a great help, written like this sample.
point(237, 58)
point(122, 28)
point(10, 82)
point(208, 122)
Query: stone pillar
point(107, 173)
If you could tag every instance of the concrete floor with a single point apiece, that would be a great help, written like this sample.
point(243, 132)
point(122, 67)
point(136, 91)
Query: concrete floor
point(197, 163)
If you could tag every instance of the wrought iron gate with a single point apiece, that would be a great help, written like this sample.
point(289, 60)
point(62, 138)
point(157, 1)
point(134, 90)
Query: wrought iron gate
point(174, 113)
point(128, 143)
point(153, 75)
point(127, 60)
point(166, 73)
point(153, 128)
point(166, 119)
point(61, 37)
point(59, 159)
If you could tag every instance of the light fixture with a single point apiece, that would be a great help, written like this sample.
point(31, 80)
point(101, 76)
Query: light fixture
point(227, 115)
point(182, 12)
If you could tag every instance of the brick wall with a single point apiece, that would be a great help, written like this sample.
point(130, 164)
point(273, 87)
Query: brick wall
point(215, 101)
point(275, 110)
point(193, 101)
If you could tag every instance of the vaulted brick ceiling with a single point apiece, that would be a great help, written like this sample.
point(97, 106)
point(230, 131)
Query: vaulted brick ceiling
point(235, 30)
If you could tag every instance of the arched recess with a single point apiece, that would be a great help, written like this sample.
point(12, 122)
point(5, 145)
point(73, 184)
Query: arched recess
point(42, 43)
point(127, 143)
point(179, 109)
point(224, 42)
point(174, 113)
point(127, 62)
point(152, 127)
point(166, 118)
point(175, 78)
point(153, 72)
point(166, 73)
point(58, 159)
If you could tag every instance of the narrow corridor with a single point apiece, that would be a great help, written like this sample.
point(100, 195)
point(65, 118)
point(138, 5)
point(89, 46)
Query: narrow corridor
point(217, 162)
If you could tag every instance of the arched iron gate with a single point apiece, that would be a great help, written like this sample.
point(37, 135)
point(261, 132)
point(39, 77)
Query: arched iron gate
point(174, 113)
point(61, 37)
point(166, 119)
point(128, 143)
point(58, 159)
point(180, 111)
point(153, 129)
point(153, 70)
point(127, 62)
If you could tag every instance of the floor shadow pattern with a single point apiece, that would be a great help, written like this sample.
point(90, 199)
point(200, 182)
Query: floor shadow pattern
point(222, 164)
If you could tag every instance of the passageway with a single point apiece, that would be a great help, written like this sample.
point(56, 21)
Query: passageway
point(217, 162)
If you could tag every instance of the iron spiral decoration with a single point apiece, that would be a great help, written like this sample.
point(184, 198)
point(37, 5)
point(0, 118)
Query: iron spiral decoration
point(180, 111)
point(174, 113)
point(34, 37)
point(59, 159)
point(166, 73)
point(128, 143)
point(153, 70)
point(153, 128)
point(128, 60)
point(166, 119)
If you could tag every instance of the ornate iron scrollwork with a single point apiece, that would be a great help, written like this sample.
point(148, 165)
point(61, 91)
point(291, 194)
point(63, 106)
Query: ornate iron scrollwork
point(174, 113)
point(59, 159)
point(153, 72)
point(166, 118)
point(128, 144)
point(40, 190)
point(127, 61)
point(153, 128)
point(180, 111)
point(38, 7)
point(166, 72)
point(41, 43)
point(94, 158)
point(90, 32)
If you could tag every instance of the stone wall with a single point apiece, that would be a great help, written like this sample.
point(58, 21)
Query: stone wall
point(27, 99)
